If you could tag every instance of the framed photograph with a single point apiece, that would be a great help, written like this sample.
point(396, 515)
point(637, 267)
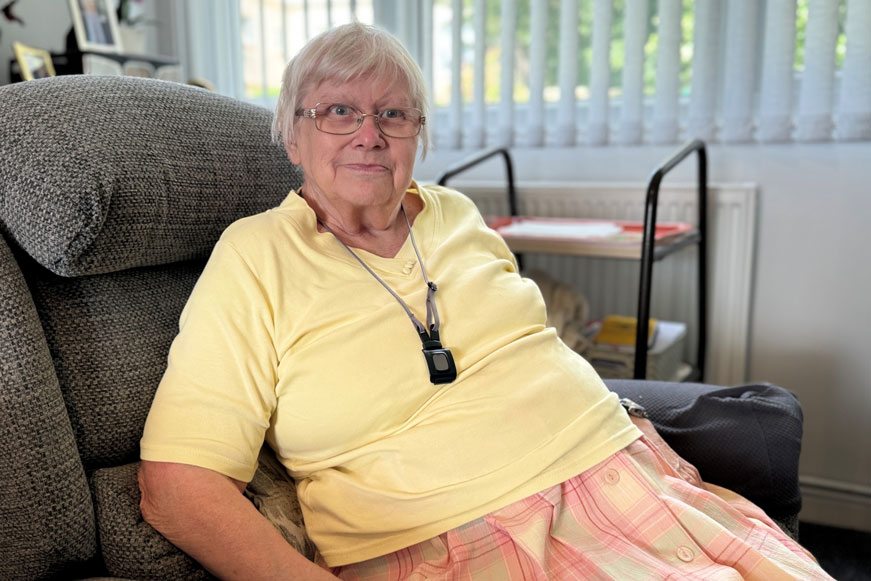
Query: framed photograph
point(35, 63)
point(96, 25)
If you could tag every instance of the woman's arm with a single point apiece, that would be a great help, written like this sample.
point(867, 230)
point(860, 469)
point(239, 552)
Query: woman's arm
point(205, 514)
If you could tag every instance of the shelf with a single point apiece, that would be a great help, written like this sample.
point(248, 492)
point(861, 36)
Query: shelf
point(684, 373)
point(593, 238)
point(72, 63)
point(650, 248)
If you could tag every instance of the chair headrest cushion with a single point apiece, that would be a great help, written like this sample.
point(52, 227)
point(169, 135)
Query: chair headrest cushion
point(100, 174)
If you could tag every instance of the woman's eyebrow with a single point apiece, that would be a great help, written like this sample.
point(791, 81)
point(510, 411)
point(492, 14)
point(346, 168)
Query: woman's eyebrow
point(386, 102)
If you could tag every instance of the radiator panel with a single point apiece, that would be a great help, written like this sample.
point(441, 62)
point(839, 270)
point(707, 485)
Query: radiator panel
point(611, 286)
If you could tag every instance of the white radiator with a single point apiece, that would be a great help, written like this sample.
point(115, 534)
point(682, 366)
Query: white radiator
point(611, 286)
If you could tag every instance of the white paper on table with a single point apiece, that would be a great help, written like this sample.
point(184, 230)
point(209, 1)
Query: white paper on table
point(560, 230)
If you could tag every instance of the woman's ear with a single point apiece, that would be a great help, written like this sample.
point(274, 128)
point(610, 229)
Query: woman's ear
point(292, 152)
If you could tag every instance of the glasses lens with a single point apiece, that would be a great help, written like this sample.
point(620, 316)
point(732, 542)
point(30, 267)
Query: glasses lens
point(341, 119)
point(400, 122)
point(337, 119)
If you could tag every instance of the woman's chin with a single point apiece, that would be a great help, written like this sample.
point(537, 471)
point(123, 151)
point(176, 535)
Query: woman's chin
point(372, 189)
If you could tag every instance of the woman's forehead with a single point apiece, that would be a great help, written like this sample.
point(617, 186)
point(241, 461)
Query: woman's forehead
point(362, 90)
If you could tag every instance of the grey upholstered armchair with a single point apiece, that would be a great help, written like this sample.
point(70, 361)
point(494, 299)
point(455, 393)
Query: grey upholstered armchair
point(112, 193)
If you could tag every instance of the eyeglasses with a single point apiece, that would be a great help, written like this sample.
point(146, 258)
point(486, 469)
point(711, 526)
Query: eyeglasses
point(338, 119)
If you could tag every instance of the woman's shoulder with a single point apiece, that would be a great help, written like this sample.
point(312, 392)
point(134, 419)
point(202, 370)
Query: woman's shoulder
point(446, 198)
point(265, 228)
point(250, 230)
point(443, 193)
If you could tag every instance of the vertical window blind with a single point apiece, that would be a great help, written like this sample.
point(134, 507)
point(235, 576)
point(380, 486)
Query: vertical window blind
point(560, 73)
point(272, 31)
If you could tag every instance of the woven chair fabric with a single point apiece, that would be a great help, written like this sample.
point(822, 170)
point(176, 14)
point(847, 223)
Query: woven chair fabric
point(99, 174)
point(109, 336)
point(46, 513)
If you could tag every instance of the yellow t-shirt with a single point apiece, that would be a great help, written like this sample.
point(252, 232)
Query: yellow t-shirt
point(286, 337)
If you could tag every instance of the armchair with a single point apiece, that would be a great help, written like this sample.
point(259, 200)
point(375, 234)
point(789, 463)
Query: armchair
point(112, 193)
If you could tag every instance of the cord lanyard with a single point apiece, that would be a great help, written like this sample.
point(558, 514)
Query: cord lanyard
point(439, 360)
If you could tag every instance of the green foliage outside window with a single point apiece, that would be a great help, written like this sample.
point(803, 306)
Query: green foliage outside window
point(493, 27)
point(801, 33)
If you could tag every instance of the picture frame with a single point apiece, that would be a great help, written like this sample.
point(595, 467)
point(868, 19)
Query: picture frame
point(35, 63)
point(96, 25)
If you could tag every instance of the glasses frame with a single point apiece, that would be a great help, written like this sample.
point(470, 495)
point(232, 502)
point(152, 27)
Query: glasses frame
point(312, 113)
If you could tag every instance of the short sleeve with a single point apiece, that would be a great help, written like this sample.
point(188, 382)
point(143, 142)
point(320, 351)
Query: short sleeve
point(493, 241)
point(215, 401)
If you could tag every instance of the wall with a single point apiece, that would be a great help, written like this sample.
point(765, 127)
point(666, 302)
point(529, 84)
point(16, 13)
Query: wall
point(811, 314)
point(47, 22)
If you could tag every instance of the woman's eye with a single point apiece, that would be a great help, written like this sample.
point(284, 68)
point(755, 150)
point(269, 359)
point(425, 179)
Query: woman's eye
point(393, 114)
point(340, 110)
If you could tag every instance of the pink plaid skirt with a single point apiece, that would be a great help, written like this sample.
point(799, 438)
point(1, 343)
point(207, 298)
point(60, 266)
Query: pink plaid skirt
point(629, 517)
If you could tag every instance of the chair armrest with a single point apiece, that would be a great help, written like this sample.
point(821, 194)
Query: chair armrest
point(745, 438)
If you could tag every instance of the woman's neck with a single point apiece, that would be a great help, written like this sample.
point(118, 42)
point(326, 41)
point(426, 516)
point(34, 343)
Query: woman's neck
point(381, 231)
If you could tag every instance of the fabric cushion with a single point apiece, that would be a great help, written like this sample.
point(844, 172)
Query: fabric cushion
point(46, 514)
point(99, 174)
point(745, 438)
point(132, 548)
point(273, 492)
point(109, 336)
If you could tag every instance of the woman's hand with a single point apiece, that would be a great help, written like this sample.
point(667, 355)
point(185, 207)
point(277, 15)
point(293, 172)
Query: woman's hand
point(205, 514)
point(686, 470)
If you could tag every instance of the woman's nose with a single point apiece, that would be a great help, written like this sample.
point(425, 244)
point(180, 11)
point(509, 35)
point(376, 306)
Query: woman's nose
point(369, 133)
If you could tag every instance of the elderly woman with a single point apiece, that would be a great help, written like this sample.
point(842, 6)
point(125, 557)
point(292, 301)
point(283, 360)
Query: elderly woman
point(378, 336)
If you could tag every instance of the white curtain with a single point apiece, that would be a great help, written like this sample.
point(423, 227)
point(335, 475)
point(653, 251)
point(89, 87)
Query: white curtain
point(740, 88)
point(209, 43)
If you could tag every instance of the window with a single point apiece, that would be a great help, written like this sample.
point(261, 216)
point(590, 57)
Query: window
point(539, 73)
point(272, 31)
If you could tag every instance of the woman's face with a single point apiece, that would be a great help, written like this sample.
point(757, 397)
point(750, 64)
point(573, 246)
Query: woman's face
point(365, 168)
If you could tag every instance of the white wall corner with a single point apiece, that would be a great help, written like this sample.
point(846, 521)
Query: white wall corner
point(838, 504)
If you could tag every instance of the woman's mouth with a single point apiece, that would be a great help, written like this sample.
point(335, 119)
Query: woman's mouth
point(366, 167)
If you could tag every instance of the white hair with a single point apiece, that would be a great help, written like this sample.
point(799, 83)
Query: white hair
point(342, 54)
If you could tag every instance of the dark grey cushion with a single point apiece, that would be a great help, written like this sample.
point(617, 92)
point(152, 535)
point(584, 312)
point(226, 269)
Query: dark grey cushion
point(99, 174)
point(130, 546)
point(46, 514)
point(109, 336)
point(745, 438)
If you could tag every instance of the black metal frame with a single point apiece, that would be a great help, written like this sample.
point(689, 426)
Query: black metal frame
point(475, 159)
point(649, 252)
point(648, 257)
